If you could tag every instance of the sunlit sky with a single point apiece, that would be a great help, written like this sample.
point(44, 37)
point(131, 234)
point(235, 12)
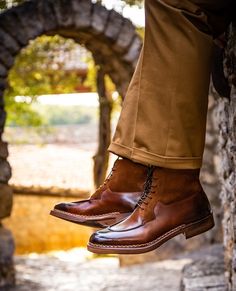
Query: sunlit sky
point(134, 13)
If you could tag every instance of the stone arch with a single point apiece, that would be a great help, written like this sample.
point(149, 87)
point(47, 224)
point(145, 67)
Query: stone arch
point(112, 40)
point(110, 37)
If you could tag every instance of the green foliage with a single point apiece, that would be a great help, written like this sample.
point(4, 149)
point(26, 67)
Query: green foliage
point(42, 68)
point(22, 114)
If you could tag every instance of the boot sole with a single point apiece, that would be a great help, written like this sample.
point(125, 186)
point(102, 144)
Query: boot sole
point(189, 230)
point(100, 221)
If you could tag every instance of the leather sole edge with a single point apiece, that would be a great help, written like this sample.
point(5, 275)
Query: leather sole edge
point(189, 230)
point(100, 221)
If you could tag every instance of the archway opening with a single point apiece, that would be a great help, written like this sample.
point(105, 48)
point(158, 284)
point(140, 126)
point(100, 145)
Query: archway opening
point(52, 128)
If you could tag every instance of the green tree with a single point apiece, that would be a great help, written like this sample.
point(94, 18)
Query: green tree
point(41, 68)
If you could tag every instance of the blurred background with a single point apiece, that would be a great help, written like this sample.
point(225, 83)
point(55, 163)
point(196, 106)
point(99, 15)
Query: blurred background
point(56, 113)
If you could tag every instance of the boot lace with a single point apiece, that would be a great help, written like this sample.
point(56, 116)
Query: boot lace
point(148, 188)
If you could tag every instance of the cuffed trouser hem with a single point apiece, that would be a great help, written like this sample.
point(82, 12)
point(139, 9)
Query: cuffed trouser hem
point(147, 158)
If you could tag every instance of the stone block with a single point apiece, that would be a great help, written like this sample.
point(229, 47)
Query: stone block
point(126, 35)
point(2, 118)
point(9, 42)
point(6, 200)
point(47, 15)
point(6, 58)
point(11, 24)
point(205, 273)
point(2, 103)
point(7, 272)
point(3, 70)
point(82, 13)
point(114, 25)
point(99, 18)
point(29, 20)
point(3, 84)
point(64, 13)
point(134, 50)
point(3, 150)
point(6, 245)
point(5, 171)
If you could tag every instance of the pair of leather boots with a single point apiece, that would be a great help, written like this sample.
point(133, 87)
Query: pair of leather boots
point(141, 207)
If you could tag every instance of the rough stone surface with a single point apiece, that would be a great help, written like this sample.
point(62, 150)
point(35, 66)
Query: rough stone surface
point(6, 197)
point(6, 58)
point(134, 51)
point(11, 23)
point(2, 103)
point(3, 70)
point(2, 119)
point(3, 84)
point(29, 22)
point(99, 18)
point(3, 150)
point(64, 12)
point(47, 15)
point(83, 12)
point(113, 26)
point(5, 171)
point(7, 273)
point(227, 146)
point(205, 273)
point(126, 35)
point(9, 42)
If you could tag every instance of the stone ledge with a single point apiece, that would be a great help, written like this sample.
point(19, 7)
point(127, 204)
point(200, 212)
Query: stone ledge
point(206, 272)
point(50, 191)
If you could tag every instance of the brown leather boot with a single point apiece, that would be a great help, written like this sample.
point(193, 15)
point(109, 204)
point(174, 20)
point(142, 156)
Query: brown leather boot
point(172, 203)
point(112, 201)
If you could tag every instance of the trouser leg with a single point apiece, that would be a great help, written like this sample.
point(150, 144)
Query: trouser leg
point(163, 119)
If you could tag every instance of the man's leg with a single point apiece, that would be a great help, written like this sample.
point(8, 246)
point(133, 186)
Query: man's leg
point(162, 124)
point(163, 118)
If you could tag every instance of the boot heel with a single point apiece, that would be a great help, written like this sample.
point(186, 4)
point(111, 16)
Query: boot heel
point(199, 226)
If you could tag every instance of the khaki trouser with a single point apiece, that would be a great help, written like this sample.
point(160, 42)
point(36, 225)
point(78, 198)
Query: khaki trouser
point(163, 119)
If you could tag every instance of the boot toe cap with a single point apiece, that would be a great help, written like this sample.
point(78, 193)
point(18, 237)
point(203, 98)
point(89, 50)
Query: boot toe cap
point(61, 206)
point(100, 237)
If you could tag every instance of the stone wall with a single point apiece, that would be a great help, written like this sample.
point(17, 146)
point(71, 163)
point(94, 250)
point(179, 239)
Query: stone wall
point(227, 121)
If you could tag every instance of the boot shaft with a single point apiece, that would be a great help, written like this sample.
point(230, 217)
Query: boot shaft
point(173, 185)
point(174, 188)
point(127, 176)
